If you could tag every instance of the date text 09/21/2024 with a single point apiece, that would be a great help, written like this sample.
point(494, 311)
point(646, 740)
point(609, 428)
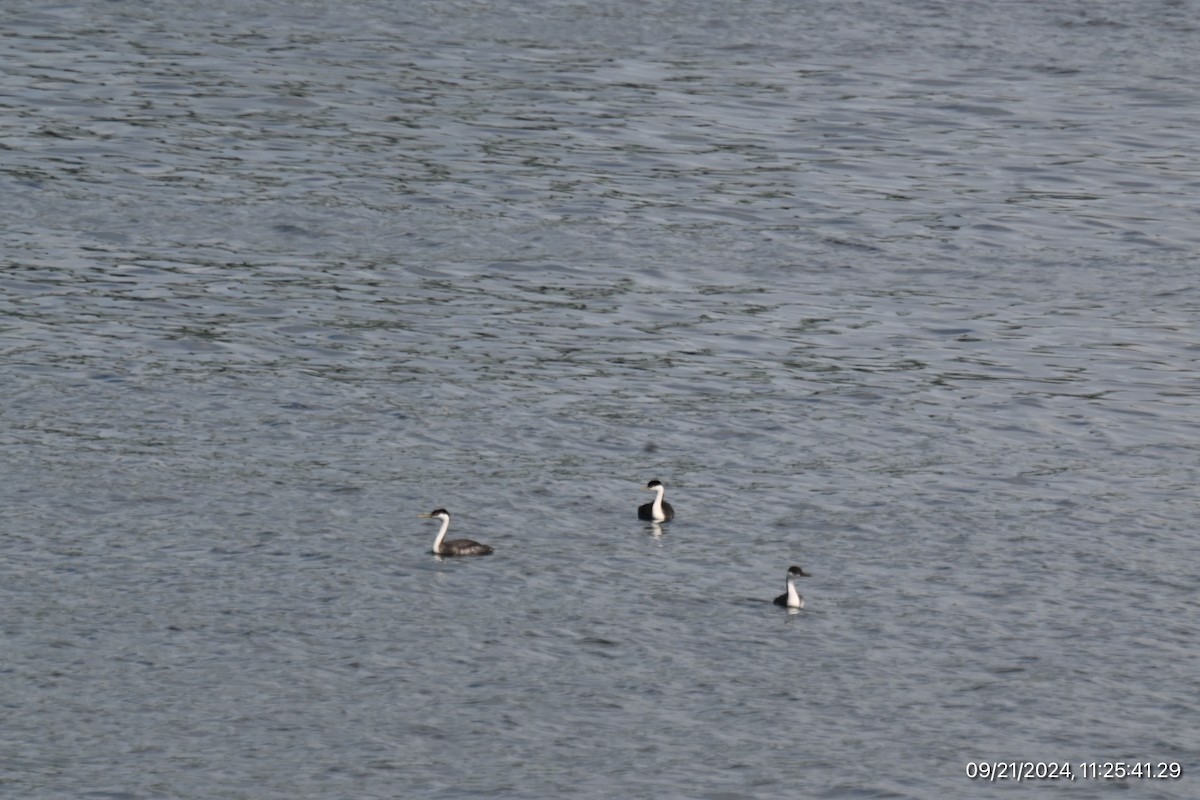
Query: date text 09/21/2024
point(1073, 770)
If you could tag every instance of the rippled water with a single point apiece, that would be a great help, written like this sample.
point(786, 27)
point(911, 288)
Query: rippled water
point(902, 292)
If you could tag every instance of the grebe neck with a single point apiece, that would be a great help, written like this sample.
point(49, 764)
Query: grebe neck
point(656, 510)
point(437, 543)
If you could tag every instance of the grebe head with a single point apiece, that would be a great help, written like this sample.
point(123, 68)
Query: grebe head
point(652, 485)
point(794, 572)
point(437, 513)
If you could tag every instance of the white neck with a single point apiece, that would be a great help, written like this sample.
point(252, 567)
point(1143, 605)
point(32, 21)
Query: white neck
point(437, 543)
point(794, 600)
point(656, 510)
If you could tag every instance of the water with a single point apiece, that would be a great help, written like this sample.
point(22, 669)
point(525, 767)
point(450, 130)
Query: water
point(901, 292)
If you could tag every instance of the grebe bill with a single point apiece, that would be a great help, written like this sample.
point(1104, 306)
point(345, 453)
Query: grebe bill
point(659, 510)
point(454, 547)
point(791, 598)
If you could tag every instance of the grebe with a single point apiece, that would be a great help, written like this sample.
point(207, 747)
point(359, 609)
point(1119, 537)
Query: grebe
point(792, 598)
point(659, 510)
point(454, 547)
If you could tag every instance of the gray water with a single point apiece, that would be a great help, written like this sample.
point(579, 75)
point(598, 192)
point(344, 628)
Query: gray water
point(905, 293)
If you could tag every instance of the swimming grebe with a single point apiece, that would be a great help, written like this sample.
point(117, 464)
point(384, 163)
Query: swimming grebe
point(659, 510)
point(791, 598)
point(454, 547)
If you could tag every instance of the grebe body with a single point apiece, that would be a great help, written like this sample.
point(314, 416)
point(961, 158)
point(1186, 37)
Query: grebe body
point(658, 510)
point(791, 598)
point(454, 547)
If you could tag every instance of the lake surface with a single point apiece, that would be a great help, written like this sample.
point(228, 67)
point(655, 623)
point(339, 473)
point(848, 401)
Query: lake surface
point(904, 293)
